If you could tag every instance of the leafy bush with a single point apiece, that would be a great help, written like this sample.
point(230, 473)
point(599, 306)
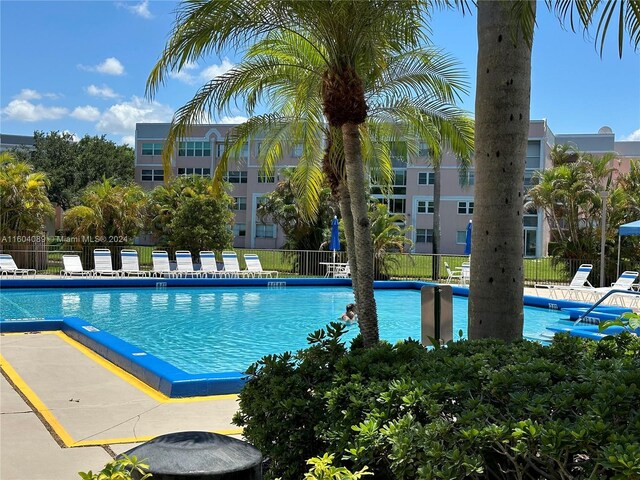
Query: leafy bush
point(125, 468)
point(480, 409)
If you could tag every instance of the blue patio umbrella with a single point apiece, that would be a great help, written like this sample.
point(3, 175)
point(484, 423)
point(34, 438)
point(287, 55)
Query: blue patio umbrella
point(334, 244)
point(467, 240)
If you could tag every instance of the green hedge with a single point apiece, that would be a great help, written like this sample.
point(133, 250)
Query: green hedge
point(476, 409)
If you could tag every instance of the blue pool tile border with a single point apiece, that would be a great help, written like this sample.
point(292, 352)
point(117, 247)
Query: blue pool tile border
point(160, 375)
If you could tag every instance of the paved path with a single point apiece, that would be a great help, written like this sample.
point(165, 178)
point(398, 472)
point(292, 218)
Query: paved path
point(76, 399)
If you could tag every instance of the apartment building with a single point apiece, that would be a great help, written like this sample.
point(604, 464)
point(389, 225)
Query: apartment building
point(411, 195)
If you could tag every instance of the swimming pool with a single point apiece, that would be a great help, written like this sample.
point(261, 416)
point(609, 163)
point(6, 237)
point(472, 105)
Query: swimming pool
point(223, 329)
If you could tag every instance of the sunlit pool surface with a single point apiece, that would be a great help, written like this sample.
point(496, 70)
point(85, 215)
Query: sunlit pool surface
point(222, 329)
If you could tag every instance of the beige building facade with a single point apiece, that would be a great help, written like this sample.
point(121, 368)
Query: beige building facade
point(412, 193)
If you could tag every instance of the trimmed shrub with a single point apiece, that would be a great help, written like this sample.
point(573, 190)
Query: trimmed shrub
point(476, 409)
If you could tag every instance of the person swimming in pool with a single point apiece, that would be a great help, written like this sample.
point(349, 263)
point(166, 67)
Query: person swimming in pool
point(350, 313)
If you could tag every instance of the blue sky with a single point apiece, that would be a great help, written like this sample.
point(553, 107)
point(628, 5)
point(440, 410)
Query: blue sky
point(81, 67)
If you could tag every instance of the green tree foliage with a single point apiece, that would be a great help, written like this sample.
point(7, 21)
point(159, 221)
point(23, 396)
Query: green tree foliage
point(474, 410)
point(107, 213)
point(569, 194)
point(389, 236)
point(24, 205)
point(71, 166)
point(98, 157)
point(283, 207)
point(186, 214)
point(125, 468)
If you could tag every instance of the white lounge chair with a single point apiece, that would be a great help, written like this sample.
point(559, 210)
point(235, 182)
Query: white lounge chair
point(465, 272)
point(255, 267)
point(624, 282)
point(184, 264)
point(578, 288)
point(73, 266)
point(102, 262)
point(231, 265)
point(161, 266)
point(8, 266)
point(130, 264)
point(342, 271)
point(451, 275)
point(209, 266)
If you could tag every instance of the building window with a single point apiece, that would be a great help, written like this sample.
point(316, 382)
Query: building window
point(397, 205)
point(152, 175)
point(423, 149)
point(467, 178)
point(424, 235)
point(235, 176)
point(194, 149)
point(240, 203)
point(399, 181)
point(187, 171)
point(425, 206)
point(461, 237)
point(426, 178)
point(296, 152)
point(264, 178)
point(533, 155)
point(151, 149)
point(265, 230)
point(239, 230)
point(219, 149)
point(465, 208)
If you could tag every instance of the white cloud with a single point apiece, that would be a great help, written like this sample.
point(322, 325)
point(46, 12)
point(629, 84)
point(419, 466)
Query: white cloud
point(234, 120)
point(128, 140)
point(28, 94)
point(216, 70)
point(88, 113)
point(121, 118)
point(183, 76)
point(111, 66)
point(632, 137)
point(103, 91)
point(141, 9)
point(25, 111)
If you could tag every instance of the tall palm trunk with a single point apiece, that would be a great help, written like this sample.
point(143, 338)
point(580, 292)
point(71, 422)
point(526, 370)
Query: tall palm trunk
point(437, 187)
point(502, 126)
point(366, 302)
point(349, 233)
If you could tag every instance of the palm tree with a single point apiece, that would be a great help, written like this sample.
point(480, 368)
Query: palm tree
point(107, 211)
point(24, 205)
point(505, 38)
point(351, 38)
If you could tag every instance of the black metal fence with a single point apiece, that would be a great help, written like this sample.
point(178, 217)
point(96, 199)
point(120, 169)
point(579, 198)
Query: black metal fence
point(47, 259)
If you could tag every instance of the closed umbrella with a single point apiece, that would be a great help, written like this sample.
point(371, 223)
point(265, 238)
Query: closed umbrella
point(467, 240)
point(334, 244)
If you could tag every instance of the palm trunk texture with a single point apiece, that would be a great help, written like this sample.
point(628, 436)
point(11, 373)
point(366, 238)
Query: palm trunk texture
point(347, 222)
point(365, 300)
point(502, 126)
point(437, 187)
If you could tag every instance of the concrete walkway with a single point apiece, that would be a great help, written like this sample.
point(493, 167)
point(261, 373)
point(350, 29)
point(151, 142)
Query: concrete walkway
point(80, 408)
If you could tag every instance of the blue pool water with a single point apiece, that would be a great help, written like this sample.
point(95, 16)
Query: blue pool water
point(225, 329)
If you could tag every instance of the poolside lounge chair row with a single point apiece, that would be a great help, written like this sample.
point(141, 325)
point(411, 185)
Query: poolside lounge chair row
point(580, 288)
point(162, 266)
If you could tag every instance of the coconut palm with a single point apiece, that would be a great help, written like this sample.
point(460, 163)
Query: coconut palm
point(352, 37)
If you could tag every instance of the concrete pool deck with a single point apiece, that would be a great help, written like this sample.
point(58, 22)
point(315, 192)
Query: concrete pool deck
point(70, 398)
point(64, 409)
